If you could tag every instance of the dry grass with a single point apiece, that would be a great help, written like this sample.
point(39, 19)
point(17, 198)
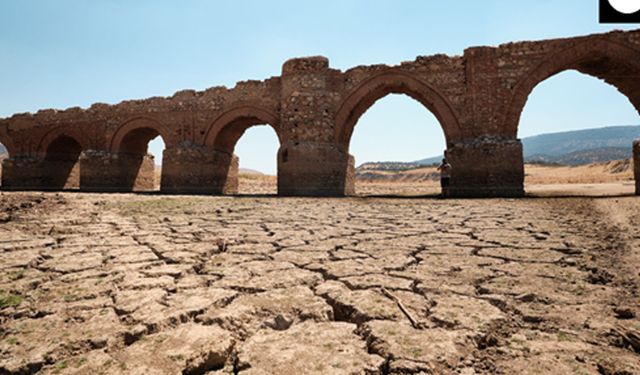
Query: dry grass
point(584, 174)
point(535, 174)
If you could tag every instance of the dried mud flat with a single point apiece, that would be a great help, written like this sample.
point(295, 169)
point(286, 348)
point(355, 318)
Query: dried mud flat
point(143, 284)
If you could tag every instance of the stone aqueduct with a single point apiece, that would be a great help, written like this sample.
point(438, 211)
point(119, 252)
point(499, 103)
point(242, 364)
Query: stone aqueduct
point(477, 98)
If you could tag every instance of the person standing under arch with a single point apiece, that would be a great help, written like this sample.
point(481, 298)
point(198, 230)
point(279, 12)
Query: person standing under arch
point(445, 177)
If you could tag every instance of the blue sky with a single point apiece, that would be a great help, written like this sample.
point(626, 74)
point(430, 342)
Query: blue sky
point(64, 53)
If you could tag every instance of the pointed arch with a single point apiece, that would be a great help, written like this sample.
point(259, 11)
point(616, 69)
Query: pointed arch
point(57, 134)
point(612, 62)
point(136, 168)
point(226, 129)
point(393, 82)
point(135, 133)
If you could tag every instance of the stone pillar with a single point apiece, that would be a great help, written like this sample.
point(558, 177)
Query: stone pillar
point(102, 171)
point(309, 161)
point(636, 164)
point(22, 173)
point(486, 167)
point(314, 169)
point(194, 169)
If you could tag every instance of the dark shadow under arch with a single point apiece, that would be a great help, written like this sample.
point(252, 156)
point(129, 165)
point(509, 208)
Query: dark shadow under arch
point(61, 169)
point(56, 133)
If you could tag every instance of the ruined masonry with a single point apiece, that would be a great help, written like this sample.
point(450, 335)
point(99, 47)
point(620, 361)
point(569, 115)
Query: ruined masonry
point(477, 98)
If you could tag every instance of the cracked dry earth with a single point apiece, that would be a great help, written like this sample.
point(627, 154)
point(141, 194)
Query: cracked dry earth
point(143, 284)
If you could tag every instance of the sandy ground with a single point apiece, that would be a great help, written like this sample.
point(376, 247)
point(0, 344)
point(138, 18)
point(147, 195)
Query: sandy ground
point(604, 179)
point(146, 284)
point(267, 185)
point(621, 188)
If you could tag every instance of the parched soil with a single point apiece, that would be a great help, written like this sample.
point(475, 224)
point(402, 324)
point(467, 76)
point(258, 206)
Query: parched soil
point(147, 284)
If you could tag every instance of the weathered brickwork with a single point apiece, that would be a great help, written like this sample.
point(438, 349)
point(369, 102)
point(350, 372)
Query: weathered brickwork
point(477, 97)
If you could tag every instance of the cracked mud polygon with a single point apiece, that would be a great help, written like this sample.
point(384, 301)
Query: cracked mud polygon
point(144, 284)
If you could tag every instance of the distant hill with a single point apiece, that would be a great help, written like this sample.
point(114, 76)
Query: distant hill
point(429, 161)
point(557, 144)
point(582, 157)
point(247, 171)
point(3, 150)
point(574, 147)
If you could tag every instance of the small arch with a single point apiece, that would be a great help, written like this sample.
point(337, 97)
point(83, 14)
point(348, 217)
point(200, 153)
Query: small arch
point(134, 135)
point(57, 133)
point(226, 130)
point(614, 63)
point(393, 82)
point(136, 166)
point(223, 136)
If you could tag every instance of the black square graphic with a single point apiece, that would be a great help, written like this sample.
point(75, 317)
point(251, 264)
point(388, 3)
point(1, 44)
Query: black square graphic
point(608, 14)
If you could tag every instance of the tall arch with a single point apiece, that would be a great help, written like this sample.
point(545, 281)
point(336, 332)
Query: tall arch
point(614, 63)
point(226, 129)
point(394, 82)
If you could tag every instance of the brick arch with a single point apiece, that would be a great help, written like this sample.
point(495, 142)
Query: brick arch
point(55, 134)
point(615, 63)
point(136, 133)
point(395, 82)
point(226, 129)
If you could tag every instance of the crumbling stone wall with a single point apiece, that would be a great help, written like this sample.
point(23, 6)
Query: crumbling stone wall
point(477, 97)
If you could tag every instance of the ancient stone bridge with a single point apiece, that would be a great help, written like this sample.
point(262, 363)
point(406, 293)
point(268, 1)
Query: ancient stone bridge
point(477, 98)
